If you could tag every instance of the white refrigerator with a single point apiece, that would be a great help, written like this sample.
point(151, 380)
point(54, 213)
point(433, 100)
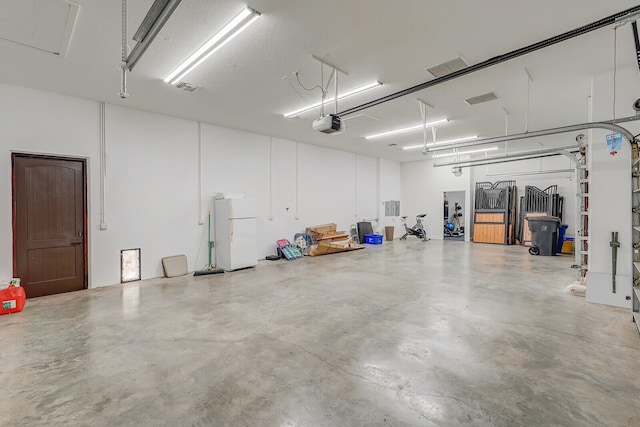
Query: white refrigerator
point(236, 243)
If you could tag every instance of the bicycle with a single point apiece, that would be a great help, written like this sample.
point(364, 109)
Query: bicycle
point(417, 230)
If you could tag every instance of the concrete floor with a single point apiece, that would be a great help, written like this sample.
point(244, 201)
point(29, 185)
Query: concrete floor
point(403, 334)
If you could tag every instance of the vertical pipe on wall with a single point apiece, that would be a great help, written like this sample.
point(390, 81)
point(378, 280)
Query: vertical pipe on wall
point(103, 165)
point(271, 179)
point(200, 220)
point(588, 162)
point(297, 182)
point(355, 189)
point(378, 199)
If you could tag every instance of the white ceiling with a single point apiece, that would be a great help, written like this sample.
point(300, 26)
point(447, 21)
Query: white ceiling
point(242, 85)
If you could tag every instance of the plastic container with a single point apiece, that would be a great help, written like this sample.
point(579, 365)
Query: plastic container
point(373, 239)
point(12, 299)
point(568, 245)
point(544, 235)
point(388, 233)
point(561, 233)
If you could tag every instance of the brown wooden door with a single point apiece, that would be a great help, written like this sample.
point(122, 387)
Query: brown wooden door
point(49, 227)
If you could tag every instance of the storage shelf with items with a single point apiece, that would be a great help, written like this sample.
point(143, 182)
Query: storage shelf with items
point(635, 209)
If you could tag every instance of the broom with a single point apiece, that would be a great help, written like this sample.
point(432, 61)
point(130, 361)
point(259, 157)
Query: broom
point(209, 268)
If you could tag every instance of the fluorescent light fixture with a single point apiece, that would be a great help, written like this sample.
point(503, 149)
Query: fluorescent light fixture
point(222, 37)
point(461, 153)
point(450, 141)
point(406, 130)
point(342, 96)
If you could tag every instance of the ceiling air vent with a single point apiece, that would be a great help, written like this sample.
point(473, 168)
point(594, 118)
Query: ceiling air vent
point(448, 67)
point(491, 96)
point(187, 87)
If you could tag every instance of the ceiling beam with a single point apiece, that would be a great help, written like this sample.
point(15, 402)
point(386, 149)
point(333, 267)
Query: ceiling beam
point(545, 132)
point(510, 157)
point(609, 20)
point(158, 15)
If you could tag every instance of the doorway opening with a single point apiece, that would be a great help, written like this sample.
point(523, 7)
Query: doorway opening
point(453, 214)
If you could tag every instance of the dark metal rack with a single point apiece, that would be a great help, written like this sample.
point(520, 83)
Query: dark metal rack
point(494, 212)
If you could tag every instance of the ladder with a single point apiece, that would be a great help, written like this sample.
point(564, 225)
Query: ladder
point(635, 220)
point(582, 226)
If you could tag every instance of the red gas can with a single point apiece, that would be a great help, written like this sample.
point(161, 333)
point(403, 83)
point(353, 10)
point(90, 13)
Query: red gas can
point(12, 299)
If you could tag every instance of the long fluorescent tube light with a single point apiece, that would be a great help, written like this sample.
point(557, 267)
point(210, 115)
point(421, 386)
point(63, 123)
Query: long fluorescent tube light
point(450, 141)
point(406, 130)
point(222, 37)
point(461, 153)
point(344, 95)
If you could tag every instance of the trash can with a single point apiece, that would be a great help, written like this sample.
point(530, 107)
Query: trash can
point(561, 233)
point(544, 235)
point(388, 233)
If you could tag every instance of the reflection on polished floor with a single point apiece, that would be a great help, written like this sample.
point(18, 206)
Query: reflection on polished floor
point(406, 333)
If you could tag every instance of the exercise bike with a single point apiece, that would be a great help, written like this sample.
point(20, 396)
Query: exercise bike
point(417, 230)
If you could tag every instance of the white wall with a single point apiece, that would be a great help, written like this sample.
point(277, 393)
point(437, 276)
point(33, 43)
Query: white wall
point(41, 122)
point(610, 188)
point(151, 192)
point(610, 191)
point(422, 188)
point(152, 198)
point(565, 181)
point(389, 185)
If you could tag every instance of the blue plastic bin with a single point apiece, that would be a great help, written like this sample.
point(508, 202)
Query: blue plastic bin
point(373, 239)
point(561, 232)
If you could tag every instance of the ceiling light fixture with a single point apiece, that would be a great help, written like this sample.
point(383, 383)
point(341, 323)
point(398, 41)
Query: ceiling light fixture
point(222, 37)
point(406, 130)
point(461, 153)
point(450, 141)
point(342, 96)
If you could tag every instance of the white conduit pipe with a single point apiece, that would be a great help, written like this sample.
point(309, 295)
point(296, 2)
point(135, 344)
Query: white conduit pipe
point(200, 220)
point(103, 165)
point(297, 183)
point(270, 179)
point(532, 173)
point(355, 188)
point(545, 132)
point(378, 202)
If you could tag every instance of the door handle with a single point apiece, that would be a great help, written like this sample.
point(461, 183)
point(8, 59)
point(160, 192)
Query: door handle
point(75, 242)
point(80, 233)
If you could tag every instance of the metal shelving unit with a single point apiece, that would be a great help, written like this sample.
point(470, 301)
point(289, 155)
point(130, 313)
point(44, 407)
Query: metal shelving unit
point(635, 204)
point(582, 229)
